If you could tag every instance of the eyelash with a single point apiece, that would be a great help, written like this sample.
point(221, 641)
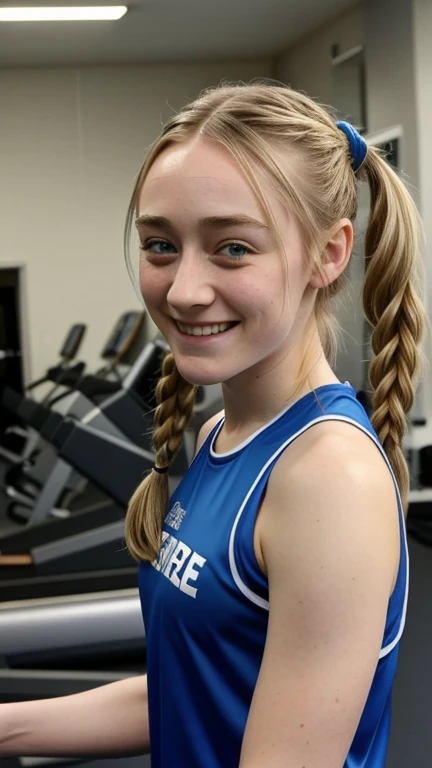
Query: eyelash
point(146, 247)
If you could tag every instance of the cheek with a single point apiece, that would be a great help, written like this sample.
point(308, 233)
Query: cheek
point(272, 301)
point(263, 294)
point(153, 285)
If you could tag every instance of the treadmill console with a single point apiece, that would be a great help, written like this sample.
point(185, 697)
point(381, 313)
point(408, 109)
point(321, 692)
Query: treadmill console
point(73, 341)
point(123, 335)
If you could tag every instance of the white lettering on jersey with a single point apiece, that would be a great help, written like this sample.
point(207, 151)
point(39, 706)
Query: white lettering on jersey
point(175, 516)
point(179, 556)
point(172, 558)
point(190, 574)
point(169, 543)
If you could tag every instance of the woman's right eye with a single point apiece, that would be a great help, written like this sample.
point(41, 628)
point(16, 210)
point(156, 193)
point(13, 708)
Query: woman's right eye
point(158, 247)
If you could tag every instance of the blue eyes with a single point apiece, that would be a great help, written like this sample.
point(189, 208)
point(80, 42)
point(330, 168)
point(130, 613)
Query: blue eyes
point(235, 248)
point(150, 246)
point(236, 251)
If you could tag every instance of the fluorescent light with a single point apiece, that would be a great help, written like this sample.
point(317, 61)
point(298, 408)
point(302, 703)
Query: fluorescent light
point(77, 13)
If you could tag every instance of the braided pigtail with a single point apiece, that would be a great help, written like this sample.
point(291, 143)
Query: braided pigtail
point(148, 505)
point(393, 307)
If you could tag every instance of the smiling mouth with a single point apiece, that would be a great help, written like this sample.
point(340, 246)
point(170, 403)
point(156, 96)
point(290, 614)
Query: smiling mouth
point(204, 330)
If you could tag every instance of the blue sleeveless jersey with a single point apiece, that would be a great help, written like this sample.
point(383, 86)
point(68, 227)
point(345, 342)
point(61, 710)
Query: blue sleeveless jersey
point(205, 600)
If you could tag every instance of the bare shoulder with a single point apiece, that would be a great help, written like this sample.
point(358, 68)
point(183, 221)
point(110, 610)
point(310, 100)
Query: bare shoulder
point(337, 455)
point(339, 444)
point(207, 428)
point(336, 487)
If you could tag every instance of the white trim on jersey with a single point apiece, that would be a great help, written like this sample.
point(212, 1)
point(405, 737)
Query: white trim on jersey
point(260, 601)
point(248, 440)
point(261, 429)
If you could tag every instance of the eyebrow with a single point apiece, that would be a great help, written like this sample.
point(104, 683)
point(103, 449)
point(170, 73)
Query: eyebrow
point(216, 222)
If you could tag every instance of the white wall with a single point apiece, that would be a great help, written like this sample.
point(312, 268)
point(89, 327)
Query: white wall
point(306, 65)
point(72, 142)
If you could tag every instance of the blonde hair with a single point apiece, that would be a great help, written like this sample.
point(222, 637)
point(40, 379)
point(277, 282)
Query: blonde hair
point(257, 123)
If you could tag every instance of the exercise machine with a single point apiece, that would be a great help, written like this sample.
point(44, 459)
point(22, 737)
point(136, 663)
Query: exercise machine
point(24, 481)
point(63, 373)
point(126, 414)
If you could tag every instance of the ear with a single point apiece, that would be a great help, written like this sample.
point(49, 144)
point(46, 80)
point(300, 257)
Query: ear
point(335, 255)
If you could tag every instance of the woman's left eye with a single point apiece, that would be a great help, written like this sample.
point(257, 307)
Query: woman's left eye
point(236, 251)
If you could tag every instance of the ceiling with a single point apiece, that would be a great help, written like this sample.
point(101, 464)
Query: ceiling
point(166, 31)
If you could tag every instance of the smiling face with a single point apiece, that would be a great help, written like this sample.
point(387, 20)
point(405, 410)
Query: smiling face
point(212, 275)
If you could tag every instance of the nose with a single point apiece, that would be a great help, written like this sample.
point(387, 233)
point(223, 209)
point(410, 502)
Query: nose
point(192, 285)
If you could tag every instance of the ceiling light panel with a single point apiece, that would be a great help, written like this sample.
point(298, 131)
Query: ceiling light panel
point(77, 13)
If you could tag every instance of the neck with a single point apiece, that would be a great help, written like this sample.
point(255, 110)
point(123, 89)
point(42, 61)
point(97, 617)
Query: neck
point(257, 395)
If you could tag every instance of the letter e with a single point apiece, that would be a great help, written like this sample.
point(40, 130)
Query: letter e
point(190, 574)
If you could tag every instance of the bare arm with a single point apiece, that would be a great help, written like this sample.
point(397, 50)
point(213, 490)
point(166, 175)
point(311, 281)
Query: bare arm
point(112, 719)
point(330, 541)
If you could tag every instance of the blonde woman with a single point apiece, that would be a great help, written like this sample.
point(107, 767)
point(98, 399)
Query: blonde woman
point(274, 582)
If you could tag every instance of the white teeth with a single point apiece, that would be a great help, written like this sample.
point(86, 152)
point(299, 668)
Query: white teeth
point(205, 330)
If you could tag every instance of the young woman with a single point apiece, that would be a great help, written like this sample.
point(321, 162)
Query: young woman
point(274, 582)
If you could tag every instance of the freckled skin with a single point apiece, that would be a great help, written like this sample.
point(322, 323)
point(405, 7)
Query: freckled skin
point(186, 184)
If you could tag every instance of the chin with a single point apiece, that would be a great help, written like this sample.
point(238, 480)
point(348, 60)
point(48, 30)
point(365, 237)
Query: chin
point(198, 377)
point(200, 380)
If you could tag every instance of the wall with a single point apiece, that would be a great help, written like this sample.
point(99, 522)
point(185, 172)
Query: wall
point(397, 41)
point(72, 142)
point(306, 66)
point(423, 65)
point(390, 75)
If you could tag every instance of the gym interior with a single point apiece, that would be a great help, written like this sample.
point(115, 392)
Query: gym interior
point(79, 355)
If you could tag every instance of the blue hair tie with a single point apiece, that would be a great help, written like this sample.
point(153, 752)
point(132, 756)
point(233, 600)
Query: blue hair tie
point(357, 145)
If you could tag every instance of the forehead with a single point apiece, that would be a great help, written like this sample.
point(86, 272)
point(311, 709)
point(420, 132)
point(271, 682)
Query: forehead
point(199, 158)
point(202, 171)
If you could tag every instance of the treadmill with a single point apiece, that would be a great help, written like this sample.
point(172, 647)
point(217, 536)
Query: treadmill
point(23, 482)
point(126, 414)
point(80, 552)
point(62, 374)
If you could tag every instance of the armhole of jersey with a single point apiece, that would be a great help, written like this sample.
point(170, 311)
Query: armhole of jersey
point(260, 601)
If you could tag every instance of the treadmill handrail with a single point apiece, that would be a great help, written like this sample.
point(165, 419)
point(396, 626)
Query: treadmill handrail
point(124, 445)
point(143, 360)
point(115, 465)
point(44, 625)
